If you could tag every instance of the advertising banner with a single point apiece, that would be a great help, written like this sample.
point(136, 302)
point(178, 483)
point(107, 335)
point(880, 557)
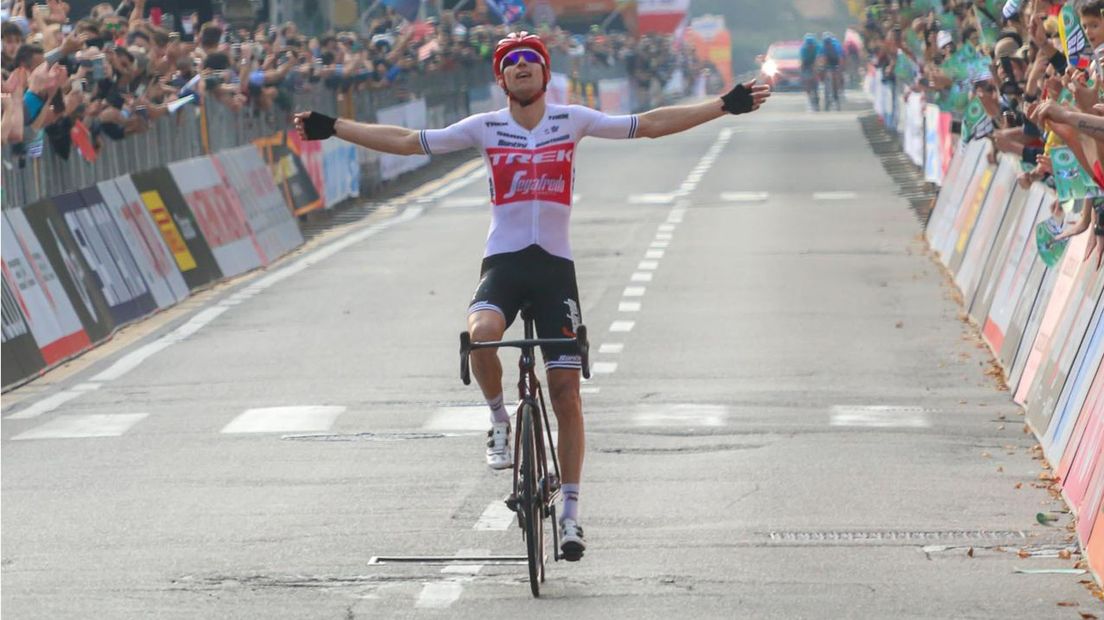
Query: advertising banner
point(411, 115)
point(1015, 270)
point(265, 210)
point(987, 223)
point(963, 227)
point(105, 250)
point(46, 308)
point(139, 231)
point(218, 211)
point(178, 226)
point(290, 175)
point(19, 355)
point(660, 16)
point(1027, 318)
point(614, 96)
point(998, 257)
point(933, 164)
point(943, 233)
point(76, 276)
point(559, 87)
point(1053, 307)
point(712, 41)
point(914, 129)
point(341, 171)
point(1064, 433)
point(1085, 476)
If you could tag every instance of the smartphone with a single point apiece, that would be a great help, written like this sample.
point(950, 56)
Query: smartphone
point(97, 67)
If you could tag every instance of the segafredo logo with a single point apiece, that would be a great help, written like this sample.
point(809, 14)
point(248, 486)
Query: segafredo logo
point(538, 174)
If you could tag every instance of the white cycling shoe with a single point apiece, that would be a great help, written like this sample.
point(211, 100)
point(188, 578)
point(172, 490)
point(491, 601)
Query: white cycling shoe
point(499, 454)
point(572, 543)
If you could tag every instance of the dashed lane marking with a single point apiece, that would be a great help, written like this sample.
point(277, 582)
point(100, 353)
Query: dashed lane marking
point(46, 405)
point(495, 518)
point(628, 306)
point(603, 368)
point(654, 254)
point(834, 195)
point(462, 418)
point(648, 265)
point(622, 326)
point(659, 244)
point(879, 416)
point(664, 235)
point(285, 419)
point(666, 227)
point(634, 291)
point(465, 202)
point(641, 276)
point(81, 426)
point(611, 347)
point(651, 199)
point(745, 196)
point(684, 415)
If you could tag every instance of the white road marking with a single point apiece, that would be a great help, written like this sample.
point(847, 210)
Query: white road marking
point(439, 594)
point(80, 426)
point(676, 215)
point(131, 360)
point(688, 415)
point(651, 199)
point(659, 244)
point(575, 198)
point(465, 201)
point(647, 265)
point(666, 227)
point(589, 390)
point(880, 416)
point(466, 418)
point(46, 405)
point(628, 306)
point(622, 326)
point(634, 291)
point(603, 368)
point(285, 419)
point(87, 387)
point(834, 195)
point(664, 235)
point(495, 518)
point(745, 196)
point(654, 254)
point(641, 276)
point(694, 177)
point(611, 347)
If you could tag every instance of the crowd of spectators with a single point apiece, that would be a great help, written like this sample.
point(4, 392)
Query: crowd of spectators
point(1027, 75)
point(111, 73)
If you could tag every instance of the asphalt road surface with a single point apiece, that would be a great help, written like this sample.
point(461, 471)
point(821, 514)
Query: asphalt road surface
point(787, 418)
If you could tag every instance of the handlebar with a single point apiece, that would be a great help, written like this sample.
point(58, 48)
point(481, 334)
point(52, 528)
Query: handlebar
point(467, 346)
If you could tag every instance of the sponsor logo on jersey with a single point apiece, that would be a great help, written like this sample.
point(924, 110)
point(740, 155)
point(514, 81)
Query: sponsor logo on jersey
point(514, 136)
point(494, 124)
point(518, 145)
point(554, 140)
point(558, 117)
point(537, 174)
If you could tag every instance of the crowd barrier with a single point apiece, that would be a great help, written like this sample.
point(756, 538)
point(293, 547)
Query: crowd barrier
point(924, 129)
point(206, 194)
point(1040, 306)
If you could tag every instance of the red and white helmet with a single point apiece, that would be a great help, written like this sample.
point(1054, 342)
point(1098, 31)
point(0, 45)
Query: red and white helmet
point(518, 40)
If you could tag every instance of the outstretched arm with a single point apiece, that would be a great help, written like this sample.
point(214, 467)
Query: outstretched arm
point(384, 138)
point(673, 119)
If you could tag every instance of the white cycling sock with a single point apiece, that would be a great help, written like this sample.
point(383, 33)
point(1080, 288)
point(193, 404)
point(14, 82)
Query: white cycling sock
point(570, 501)
point(499, 415)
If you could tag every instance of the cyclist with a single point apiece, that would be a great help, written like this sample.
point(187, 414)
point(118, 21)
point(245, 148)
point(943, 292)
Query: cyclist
point(832, 50)
point(810, 59)
point(529, 150)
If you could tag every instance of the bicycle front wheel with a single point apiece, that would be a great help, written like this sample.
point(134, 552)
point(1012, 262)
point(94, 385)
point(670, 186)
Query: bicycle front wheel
point(531, 501)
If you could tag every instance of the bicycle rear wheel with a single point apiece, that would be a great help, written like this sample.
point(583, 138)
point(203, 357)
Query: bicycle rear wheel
point(530, 500)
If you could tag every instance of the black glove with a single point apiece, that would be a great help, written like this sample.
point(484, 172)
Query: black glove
point(738, 100)
point(318, 126)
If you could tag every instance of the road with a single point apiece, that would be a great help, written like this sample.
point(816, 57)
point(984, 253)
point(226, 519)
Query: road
point(787, 418)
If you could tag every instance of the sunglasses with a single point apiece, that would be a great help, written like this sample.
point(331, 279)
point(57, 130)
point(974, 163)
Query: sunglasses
point(529, 56)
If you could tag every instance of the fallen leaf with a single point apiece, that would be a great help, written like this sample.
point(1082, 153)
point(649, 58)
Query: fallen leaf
point(1068, 604)
point(970, 552)
point(1087, 616)
point(1000, 469)
point(1019, 485)
point(900, 324)
point(1024, 554)
point(1064, 554)
point(986, 455)
point(1000, 428)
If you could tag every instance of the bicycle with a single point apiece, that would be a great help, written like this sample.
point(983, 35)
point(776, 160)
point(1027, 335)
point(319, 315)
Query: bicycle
point(535, 488)
point(832, 79)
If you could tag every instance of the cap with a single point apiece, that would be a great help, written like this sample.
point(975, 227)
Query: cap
point(943, 39)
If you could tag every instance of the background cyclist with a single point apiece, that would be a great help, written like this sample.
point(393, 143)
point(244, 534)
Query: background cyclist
point(810, 59)
point(832, 51)
point(529, 151)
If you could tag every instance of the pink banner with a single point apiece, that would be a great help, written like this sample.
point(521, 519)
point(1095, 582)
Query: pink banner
point(1086, 453)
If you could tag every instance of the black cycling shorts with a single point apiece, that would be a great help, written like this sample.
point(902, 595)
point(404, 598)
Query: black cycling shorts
point(548, 283)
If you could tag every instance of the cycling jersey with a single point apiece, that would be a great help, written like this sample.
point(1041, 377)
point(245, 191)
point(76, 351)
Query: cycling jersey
point(532, 173)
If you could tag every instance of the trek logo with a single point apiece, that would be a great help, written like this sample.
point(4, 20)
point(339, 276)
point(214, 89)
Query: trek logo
point(538, 174)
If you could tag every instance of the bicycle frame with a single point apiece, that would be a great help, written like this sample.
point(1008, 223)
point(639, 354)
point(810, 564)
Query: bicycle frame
point(529, 392)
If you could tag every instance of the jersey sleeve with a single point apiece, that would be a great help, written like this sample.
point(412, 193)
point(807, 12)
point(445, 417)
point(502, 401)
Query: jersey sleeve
point(590, 122)
point(458, 136)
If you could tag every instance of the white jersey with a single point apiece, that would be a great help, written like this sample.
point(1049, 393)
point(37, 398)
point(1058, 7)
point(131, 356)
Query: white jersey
point(532, 173)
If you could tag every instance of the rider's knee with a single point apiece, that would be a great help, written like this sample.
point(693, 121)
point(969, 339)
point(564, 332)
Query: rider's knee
point(487, 328)
point(565, 395)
